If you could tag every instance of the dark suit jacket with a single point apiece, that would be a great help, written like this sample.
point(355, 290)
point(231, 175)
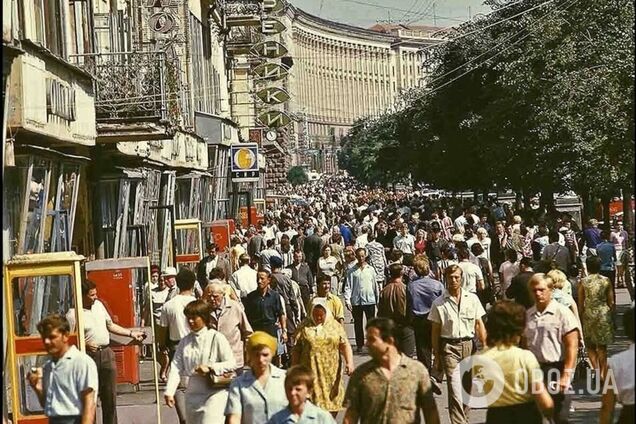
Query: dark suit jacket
point(255, 245)
point(221, 262)
point(311, 248)
point(305, 280)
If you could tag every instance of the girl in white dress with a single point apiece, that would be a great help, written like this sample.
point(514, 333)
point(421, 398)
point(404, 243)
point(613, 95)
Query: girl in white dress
point(200, 354)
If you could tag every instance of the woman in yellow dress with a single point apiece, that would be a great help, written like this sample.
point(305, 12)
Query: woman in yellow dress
point(320, 341)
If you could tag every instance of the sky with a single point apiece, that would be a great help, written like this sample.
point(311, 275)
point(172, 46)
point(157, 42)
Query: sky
point(366, 13)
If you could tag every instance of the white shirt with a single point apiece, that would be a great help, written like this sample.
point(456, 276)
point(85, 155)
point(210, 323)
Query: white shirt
point(406, 243)
point(96, 320)
point(622, 365)
point(204, 347)
point(457, 320)
point(172, 316)
point(361, 241)
point(245, 279)
point(471, 273)
point(64, 381)
point(508, 270)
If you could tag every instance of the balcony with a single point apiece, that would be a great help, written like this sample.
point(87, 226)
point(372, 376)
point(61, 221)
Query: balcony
point(138, 92)
point(243, 13)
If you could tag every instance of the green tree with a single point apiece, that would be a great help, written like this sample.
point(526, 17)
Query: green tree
point(297, 175)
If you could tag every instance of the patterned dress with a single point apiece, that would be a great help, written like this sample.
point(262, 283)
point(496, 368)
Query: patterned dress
point(319, 351)
point(597, 316)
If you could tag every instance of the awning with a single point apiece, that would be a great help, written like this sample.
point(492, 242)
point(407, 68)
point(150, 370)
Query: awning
point(20, 147)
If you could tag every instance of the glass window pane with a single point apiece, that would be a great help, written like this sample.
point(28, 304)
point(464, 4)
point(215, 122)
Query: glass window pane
point(36, 205)
point(52, 216)
point(29, 403)
point(188, 241)
point(37, 297)
point(15, 184)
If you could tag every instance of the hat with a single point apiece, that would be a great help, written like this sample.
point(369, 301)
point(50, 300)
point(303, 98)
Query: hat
point(262, 338)
point(170, 271)
point(276, 262)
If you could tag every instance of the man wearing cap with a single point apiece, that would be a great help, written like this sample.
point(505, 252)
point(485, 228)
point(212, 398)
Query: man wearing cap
point(169, 278)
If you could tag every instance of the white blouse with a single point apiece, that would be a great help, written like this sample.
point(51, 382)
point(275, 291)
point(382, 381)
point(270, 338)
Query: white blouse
point(204, 347)
point(622, 365)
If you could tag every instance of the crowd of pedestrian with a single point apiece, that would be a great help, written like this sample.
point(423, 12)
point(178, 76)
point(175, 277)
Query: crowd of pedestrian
point(255, 334)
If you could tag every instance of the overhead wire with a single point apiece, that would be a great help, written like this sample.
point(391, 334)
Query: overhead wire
point(435, 89)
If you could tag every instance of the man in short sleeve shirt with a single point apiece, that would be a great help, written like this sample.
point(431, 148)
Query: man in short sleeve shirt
point(552, 334)
point(456, 318)
point(391, 388)
point(67, 384)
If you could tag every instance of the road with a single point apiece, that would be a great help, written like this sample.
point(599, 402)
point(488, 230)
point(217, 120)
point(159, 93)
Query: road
point(139, 407)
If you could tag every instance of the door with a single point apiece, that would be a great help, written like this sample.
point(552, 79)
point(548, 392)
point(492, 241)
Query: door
point(36, 286)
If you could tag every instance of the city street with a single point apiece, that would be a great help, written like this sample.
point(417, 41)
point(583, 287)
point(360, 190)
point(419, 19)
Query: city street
point(137, 408)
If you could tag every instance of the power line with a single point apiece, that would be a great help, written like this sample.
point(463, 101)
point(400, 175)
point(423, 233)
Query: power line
point(433, 90)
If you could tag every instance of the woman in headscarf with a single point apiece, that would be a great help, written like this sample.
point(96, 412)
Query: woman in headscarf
point(320, 341)
point(259, 392)
point(199, 355)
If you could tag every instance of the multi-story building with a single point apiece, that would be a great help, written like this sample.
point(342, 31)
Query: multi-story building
point(338, 73)
point(163, 127)
point(49, 126)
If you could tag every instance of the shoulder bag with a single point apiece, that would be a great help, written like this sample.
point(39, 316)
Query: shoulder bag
point(218, 382)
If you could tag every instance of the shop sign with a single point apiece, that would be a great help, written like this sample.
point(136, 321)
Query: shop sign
point(272, 95)
point(269, 49)
point(270, 71)
point(244, 162)
point(274, 119)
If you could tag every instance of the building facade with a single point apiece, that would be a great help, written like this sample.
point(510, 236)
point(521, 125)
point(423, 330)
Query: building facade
point(337, 74)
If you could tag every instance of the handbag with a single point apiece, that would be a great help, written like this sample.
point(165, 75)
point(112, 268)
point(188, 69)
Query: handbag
point(217, 382)
point(582, 366)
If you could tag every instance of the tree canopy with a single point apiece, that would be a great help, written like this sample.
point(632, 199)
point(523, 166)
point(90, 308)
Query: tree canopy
point(297, 175)
point(537, 97)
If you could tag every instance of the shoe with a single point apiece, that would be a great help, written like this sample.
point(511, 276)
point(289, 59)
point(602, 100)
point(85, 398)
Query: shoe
point(359, 350)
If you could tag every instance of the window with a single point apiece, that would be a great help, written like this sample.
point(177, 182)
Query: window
point(80, 30)
point(54, 21)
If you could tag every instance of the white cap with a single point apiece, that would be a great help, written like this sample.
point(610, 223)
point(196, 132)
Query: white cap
point(170, 271)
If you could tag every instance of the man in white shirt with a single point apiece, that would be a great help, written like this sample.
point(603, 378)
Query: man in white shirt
point(472, 277)
point(67, 384)
point(174, 326)
point(244, 279)
point(405, 242)
point(97, 326)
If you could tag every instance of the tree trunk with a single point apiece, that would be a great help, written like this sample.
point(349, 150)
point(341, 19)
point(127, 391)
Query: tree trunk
point(588, 208)
point(605, 202)
point(628, 214)
point(518, 200)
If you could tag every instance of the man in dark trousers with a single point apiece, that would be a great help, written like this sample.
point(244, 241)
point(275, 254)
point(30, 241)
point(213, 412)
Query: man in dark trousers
point(312, 247)
point(303, 276)
point(255, 244)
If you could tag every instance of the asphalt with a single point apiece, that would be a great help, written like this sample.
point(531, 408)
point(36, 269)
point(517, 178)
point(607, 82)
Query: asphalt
point(139, 407)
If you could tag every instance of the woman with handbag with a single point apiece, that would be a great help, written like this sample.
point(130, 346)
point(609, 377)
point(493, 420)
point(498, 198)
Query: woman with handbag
point(200, 356)
point(596, 309)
